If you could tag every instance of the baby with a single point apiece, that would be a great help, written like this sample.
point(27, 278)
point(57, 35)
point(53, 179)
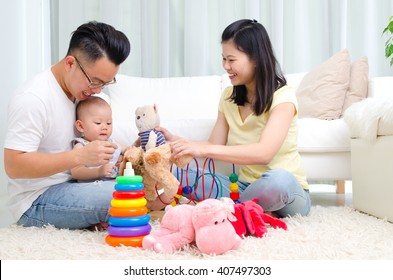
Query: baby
point(94, 122)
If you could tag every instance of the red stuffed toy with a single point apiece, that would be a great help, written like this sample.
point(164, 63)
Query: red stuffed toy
point(251, 219)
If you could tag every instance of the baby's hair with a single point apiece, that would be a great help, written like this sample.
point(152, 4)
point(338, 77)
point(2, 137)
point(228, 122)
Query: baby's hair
point(91, 101)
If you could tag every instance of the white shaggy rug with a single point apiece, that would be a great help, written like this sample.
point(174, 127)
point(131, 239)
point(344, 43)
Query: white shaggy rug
point(328, 233)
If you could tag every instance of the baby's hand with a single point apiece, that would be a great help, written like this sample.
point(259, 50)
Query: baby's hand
point(106, 170)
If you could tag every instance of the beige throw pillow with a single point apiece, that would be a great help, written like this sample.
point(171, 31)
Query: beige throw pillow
point(322, 91)
point(358, 84)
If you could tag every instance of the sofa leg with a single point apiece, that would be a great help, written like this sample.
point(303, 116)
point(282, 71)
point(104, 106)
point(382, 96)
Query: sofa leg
point(340, 186)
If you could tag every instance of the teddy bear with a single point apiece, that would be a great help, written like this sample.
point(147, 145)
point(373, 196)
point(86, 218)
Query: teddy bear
point(146, 119)
point(154, 166)
point(207, 224)
point(152, 159)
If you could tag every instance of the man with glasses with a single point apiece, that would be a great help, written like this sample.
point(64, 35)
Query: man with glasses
point(41, 115)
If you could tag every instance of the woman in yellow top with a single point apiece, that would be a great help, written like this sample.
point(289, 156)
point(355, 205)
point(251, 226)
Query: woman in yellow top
point(256, 126)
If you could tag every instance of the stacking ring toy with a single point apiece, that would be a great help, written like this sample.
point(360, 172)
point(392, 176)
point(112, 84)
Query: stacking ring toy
point(129, 231)
point(129, 179)
point(129, 221)
point(129, 187)
point(127, 212)
point(129, 202)
point(128, 194)
point(116, 241)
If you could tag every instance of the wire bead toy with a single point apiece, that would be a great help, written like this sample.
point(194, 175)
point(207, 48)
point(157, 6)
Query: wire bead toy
point(208, 169)
point(190, 190)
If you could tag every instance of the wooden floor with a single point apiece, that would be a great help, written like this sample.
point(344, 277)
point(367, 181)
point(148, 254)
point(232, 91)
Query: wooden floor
point(325, 195)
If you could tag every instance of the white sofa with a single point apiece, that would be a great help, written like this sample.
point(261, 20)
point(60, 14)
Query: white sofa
point(188, 107)
point(371, 129)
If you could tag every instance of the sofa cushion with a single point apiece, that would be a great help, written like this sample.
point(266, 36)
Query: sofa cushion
point(358, 83)
point(321, 136)
point(322, 91)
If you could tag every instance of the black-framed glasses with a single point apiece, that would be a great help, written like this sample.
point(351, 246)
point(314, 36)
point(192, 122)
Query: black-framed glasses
point(92, 84)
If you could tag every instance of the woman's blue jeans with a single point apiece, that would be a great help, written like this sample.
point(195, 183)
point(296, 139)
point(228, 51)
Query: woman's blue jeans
point(277, 190)
point(71, 205)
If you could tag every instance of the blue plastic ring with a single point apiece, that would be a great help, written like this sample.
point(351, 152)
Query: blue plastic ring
point(129, 221)
point(129, 187)
point(129, 231)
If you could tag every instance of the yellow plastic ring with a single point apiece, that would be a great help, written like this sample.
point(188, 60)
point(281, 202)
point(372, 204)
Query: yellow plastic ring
point(127, 203)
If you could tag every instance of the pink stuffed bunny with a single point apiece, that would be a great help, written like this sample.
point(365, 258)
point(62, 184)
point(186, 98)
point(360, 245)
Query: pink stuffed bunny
point(206, 223)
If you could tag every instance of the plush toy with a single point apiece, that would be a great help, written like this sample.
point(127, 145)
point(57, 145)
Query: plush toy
point(214, 233)
point(154, 166)
point(146, 119)
point(251, 219)
point(153, 159)
point(176, 230)
point(206, 223)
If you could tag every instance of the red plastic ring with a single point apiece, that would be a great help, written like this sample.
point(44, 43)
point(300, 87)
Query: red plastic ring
point(128, 194)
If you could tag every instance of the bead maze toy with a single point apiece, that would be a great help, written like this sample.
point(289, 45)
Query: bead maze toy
point(128, 221)
point(208, 169)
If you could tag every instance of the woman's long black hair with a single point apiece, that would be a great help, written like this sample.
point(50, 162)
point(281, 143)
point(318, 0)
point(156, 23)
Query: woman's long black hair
point(251, 38)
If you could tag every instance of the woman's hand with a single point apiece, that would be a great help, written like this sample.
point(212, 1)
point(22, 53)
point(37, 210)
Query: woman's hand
point(181, 147)
point(169, 137)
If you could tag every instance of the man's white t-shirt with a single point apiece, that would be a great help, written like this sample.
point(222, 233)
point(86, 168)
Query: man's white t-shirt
point(40, 119)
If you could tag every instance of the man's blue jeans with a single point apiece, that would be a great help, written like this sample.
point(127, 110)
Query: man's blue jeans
point(71, 205)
